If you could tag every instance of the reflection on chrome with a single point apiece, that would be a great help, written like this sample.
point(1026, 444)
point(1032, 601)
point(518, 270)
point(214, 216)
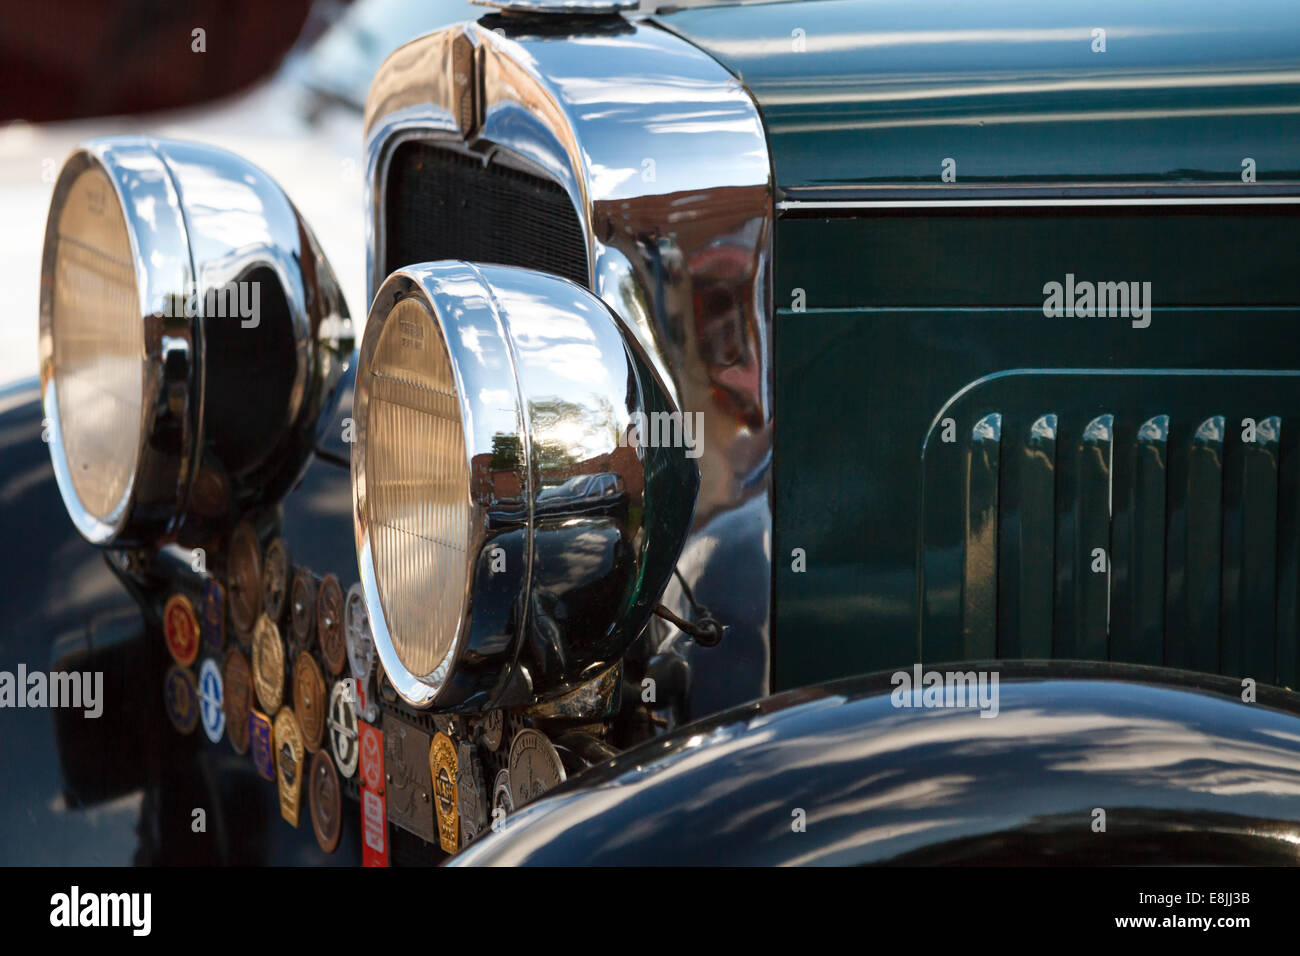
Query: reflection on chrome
point(663, 157)
point(511, 544)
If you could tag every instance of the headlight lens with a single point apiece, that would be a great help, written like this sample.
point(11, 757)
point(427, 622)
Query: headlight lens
point(418, 476)
point(98, 345)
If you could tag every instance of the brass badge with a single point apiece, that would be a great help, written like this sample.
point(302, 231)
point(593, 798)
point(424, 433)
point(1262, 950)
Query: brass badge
point(181, 629)
point(244, 579)
point(325, 800)
point(309, 701)
point(288, 763)
point(237, 683)
point(268, 665)
point(410, 788)
point(442, 769)
point(302, 609)
point(275, 580)
point(329, 624)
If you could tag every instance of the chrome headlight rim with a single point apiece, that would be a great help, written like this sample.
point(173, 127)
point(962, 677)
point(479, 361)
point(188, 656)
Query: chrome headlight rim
point(171, 374)
point(477, 346)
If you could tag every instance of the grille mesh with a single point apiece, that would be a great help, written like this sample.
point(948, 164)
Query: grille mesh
point(443, 205)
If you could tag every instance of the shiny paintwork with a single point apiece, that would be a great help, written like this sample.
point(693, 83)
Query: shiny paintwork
point(904, 302)
point(549, 386)
point(1185, 772)
point(662, 154)
point(867, 99)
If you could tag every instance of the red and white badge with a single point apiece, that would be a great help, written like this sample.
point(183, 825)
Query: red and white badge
point(374, 813)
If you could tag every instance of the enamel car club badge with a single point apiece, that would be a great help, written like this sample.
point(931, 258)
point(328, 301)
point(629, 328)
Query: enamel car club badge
point(325, 800)
point(237, 686)
point(534, 766)
point(259, 733)
point(212, 710)
point(361, 652)
point(442, 770)
point(268, 665)
point(329, 625)
point(309, 701)
point(501, 799)
point(244, 579)
point(213, 624)
point(181, 698)
point(374, 816)
point(181, 629)
point(302, 609)
point(343, 728)
point(275, 580)
point(289, 755)
point(409, 784)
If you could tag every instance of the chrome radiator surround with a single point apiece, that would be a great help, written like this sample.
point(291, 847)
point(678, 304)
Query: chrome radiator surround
point(663, 154)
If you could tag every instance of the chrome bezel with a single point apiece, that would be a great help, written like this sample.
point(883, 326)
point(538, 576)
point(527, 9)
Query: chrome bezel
point(549, 384)
point(555, 98)
point(197, 219)
point(170, 374)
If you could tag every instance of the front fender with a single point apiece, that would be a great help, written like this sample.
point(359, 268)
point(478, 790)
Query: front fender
point(1184, 771)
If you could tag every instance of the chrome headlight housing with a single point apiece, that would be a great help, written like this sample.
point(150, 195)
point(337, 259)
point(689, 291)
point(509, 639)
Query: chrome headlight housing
point(191, 332)
point(514, 526)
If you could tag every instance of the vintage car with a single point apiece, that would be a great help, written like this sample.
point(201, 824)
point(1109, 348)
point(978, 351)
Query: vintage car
point(825, 432)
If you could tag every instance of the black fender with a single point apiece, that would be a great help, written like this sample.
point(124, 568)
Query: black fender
point(836, 774)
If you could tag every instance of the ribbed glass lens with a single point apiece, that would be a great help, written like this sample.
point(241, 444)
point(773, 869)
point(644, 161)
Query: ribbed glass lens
point(417, 487)
point(98, 344)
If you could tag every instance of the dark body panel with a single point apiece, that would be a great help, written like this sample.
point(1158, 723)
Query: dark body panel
point(1185, 773)
point(905, 312)
point(122, 788)
point(882, 93)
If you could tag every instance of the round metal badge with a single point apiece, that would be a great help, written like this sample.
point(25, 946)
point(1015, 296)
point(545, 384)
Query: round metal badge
point(501, 798)
point(182, 698)
point(325, 800)
point(534, 765)
point(343, 728)
point(302, 609)
point(356, 629)
point(309, 701)
point(181, 629)
point(212, 709)
point(237, 686)
point(329, 624)
point(275, 579)
point(268, 665)
point(244, 578)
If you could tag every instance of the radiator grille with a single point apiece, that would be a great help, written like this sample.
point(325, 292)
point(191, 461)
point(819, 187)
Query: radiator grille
point(445, 205)
point(1147, 518)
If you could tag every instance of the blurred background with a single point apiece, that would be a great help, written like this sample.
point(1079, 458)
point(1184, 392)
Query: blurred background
point(281, 83)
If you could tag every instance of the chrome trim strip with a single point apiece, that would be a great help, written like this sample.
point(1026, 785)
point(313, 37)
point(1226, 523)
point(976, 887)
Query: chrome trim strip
point(791, 205)
point(664, 156)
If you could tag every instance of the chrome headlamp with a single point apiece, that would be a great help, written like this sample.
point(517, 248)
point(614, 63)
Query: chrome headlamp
point(517, 513)
point(191, 333)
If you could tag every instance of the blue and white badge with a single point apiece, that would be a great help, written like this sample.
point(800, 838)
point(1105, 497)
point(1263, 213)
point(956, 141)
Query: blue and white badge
point(212, 709)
